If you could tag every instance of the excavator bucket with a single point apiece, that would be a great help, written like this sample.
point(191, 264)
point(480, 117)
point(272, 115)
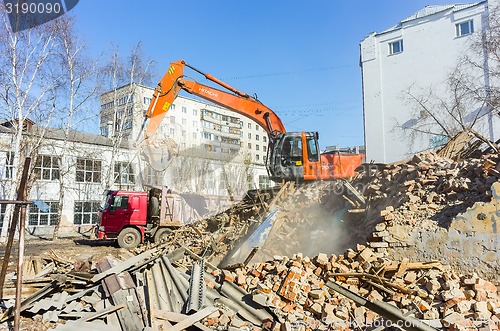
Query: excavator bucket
point(164, 95)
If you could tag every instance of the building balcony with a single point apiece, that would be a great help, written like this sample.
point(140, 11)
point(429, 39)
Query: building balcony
point(220, 144)
point(221, 133)
point(229, 123)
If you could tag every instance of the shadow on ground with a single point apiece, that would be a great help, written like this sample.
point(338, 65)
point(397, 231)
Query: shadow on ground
point(96, 243)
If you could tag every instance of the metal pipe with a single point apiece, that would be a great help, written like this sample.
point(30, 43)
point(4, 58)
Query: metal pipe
point(197, 291)
point(383, 309)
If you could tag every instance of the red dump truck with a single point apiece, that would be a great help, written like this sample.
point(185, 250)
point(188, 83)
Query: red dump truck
point(133, 217)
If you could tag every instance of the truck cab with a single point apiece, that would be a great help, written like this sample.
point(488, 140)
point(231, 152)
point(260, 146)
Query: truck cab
point(120, 210)
point(133, 217)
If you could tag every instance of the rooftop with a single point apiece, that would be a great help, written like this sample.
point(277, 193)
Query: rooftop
point(431, 10)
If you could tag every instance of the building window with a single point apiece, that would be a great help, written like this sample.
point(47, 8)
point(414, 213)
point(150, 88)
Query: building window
point(264, 139)
point(183, 133)
point(195, 112)
point(184, 121)
point(195, 124)
point(256, 137)
point(172, 131)
point(249, 146)
point(184, 109)
point(9, 165)
point(195, 135)
point(153, 177)
point(396, 47)
point(257, 127)
point(86, 212)
point(264, 182)
point(464, 28)
point(257, 157)
point(127, 125)
point(250, 182)
point(47, 167)
point(172, 120)
point(249, 135)
point(124, 175)
point(256, 147)
point(172, 107)
point(249, 125)
point(38, 217)
point(264, 148)
point(88, 171)
point(147, 101)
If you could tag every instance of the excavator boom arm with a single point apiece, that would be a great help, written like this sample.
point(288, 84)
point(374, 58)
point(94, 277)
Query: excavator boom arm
point(173, 81)
point(290, 155)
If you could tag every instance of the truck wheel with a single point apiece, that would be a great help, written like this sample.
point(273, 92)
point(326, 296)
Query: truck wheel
point(161, 234)
point(129, 238)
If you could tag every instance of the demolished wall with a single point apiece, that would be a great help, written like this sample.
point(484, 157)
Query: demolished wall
point(435, 208)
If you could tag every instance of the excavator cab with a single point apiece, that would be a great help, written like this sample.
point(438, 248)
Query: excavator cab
point(294, 156)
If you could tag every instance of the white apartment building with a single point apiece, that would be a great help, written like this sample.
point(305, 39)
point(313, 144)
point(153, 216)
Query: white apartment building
point(417, 55)
point(224, 148)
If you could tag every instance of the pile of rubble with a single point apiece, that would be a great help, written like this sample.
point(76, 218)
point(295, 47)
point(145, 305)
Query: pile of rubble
point(433, 207)
point(155, 290)
point(295, 289)
point(302, 212)
point(430, 186)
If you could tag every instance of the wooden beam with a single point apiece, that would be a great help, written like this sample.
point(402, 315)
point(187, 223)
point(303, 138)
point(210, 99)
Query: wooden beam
point(192, 319)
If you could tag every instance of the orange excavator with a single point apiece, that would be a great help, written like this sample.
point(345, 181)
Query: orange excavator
point(291, 155)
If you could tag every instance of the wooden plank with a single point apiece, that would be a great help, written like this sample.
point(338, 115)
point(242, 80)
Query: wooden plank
point(170, 316)
point(192, 319)
point(120, 287)
point(130, 317)
point(112, 319)
point(101, 313)
point(86, 317)
point(125, 265)
point(403, 266)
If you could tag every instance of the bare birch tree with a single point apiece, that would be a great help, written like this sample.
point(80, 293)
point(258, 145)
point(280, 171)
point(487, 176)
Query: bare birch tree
point(78, 88)
point(123, 77)
point(27, 90)
point(471, 96)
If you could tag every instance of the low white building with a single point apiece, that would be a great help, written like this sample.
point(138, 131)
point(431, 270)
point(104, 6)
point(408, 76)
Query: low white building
point(68, 172)
point(417, 55)
point(199, 148)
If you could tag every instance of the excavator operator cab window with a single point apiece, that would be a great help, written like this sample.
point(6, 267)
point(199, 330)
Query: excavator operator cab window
point(292, 151)
point(312, 149)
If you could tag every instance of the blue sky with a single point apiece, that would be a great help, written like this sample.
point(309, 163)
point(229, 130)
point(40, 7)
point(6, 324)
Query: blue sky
point(301, 58)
